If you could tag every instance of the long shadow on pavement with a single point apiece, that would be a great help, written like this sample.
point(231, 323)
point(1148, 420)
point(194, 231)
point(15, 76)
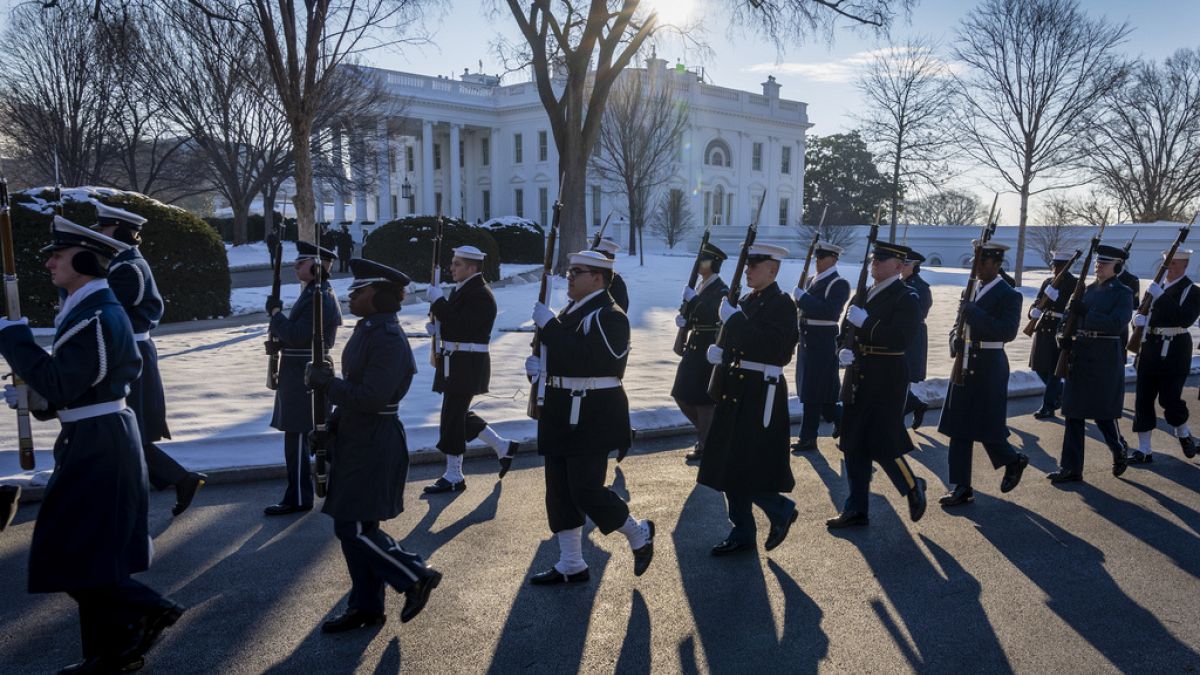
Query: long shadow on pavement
point(635, 650)
point(431, 541)
point(1152, 529)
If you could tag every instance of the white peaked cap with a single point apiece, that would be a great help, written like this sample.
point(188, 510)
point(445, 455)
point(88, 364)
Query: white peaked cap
point(591, 259)
point(469, 253)
point(832, 248)
point(1060, 256)
point(609, 246)
point(107, 214)
point(1181, 254)
point(769, 250)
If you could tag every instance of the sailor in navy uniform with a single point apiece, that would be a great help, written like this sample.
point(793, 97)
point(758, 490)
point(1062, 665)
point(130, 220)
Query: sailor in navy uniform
point(585, 417)
point(370, 451)
point(1165, 358)
point(976, 410)
point(699, 317)
point(873, 425)
point(917, 353)
point(1043, 356)
point(132, 282)
point(819, 306)
point(746, 452)
point(1095, 382)
point(91, 532)
point(293, 399)
point(464, 323)
point(617, 289)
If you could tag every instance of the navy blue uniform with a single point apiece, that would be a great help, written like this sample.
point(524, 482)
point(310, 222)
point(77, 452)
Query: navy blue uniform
point(819, 310)
point(619, 292)
point(466, 317)
point(917, 352)
point(703, 323)
point(1043, 356)
point(1165, 359)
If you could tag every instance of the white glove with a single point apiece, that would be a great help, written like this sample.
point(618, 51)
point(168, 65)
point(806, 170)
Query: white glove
point(1139, 320)
point(1155, 290)
point(10, 396)
point(533, 366)
point(856, 315)
point(680, 322)
point(1035, 313)
point(433, 293)
point(430, 329)
point(714, 355)
point(542, 314)
point(36, 400)
point(727, 310)
point(6, 323)
point(1052, 293)
point(688, 293)
point(797, 293)
point(845, 357)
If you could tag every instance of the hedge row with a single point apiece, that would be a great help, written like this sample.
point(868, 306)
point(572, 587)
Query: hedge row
point(520, 240)
point(407, 245)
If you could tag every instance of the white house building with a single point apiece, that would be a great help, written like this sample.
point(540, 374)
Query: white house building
point(477, 149)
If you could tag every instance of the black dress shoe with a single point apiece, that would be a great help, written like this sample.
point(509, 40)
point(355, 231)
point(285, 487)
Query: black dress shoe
point(104, 665)
point(778, 533)
point(10, 498)
point(729, 547)
point(916, 500)
point(284, 509)
point(848, 519)
point(1139, 457)
point(1064, 476)
point(695, 455)
point(418, 594)
point(552, 577)
point(1012, 473)
point(507, 459)
point(837, 428)
point(800, 447)
point(621, 452)
point(352, 619)
point(1043, 414)
point(185, 491)
point(961, 494)
point(442, 485)
point(643, 555)
point(1120, 463)
point(153, 622)
point(1189, 446)
point(919, 414)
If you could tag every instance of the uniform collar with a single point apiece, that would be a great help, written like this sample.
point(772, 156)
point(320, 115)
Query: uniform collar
point(827, 273)
point(1167, 284)
point(378, 319)
point(75, 299)
point(982, 291)
point(585, 300)
point(464, 282)
point(880, 286)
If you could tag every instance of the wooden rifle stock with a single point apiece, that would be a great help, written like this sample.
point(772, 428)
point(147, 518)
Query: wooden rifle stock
point(849, 330)
point(435, 278)
point(1135, 337)
point(537, 388)
point(716, 381)
point(320, 435)
point(681, 335)
point(1044, 302)
point(12, 308)
point(1071, 321)
point(956, 371)
point(272, 346)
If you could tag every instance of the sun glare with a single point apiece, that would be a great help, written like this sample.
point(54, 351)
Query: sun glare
point(674, 12)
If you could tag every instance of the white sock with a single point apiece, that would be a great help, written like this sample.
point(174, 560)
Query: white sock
point(494, 440)
point(454, 472)
point(1144, 442)
point(1182, 431)
point(635, 531)
point(570, 551)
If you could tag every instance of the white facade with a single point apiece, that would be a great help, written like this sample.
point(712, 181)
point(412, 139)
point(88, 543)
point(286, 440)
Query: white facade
point(476, 149)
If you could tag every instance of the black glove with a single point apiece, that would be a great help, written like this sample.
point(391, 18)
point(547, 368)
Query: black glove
point(272, 347)
point(273, 305)
point(1061, 340)
point(956, 346)
point(318, 375)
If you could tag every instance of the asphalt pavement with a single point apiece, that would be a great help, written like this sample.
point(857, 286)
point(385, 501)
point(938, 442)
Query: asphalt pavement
point(1100, 576)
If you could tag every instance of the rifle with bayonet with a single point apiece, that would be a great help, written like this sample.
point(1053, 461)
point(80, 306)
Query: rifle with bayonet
point(537, 391)
point(320, 436)
point(960, 322)
point(716, 382)
point(1135, 338)
point(435, 279)
point(600, 232)
point(812, 248)
point(12, 307)
point(1044, 303)
point(681, 336)
point(849, 330)
point(1071, 321)
point(272, 346)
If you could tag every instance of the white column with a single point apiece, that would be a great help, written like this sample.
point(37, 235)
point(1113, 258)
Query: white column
point(772, 158)
point(428, 206)
point(494, 172)
point(455, 186)
point(339, 199)
point(359, 172)
point(384, 180)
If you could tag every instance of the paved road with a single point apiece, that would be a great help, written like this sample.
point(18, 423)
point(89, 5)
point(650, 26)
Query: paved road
point(259, 277)
point(1098, 577)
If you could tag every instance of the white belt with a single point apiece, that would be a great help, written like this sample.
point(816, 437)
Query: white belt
point(449, 348)
point(771, 375)
point(390, 409)
point(89, 411)
point(1168, 331)
point(141, 337)
point(987, 345)
point(818, 322)
point(579, 387)
point(1055, 315)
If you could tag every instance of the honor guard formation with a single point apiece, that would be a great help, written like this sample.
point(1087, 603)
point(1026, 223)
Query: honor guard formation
point(859, 350)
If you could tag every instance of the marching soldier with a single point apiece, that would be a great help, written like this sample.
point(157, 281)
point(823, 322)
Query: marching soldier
point(746, 452)
point(917, 353)
point(690, 390)
point(1128, 278)
point(370, 452)
point(1166, 357)
point(617, 289)
point(1043, 357)
point(585, 417)
point(873, 425)
point(976, 410)
point(91, 533)
point(1095, 383)
point(465, 367)
point(819, 307)
point(132, 282)
point(293, 400)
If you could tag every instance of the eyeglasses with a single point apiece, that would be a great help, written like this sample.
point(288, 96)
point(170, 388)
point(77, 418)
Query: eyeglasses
point(576, 271)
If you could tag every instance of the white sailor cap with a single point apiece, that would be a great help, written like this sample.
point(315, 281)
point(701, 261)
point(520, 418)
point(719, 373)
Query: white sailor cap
point(766, 252)
point(67, 234)
point(592, 259)
point(110, 215)
point(1180, 254)
point(826, 247)
point(469, 253)
point(607, 246)
point(1061, 256)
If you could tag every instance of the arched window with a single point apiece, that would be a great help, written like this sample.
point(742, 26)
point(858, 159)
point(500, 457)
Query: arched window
point(716, 206)
point(934, 261)
point(717, 154)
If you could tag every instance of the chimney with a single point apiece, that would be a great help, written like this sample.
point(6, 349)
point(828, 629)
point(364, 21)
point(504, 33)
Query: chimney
point(771, 88)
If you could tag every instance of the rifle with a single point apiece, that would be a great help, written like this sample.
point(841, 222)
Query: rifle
point(272, 346)
point(600, 232)
point(960, 322)
point(716, 381)
point(1044, 302)
point(435, 278)
point(320, 435)
point(812, 248)
point(849, 330)
point(537, 388)
point(681, 335)
point(1128, 244)
point(58, 200)
point(1071, 321)
point(1135, 338)
point(12, 306)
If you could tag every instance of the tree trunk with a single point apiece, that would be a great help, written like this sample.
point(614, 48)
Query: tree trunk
point(895, 195)
point(241, 212)
point(306, 223)
point(631, 207)
point(642, 250)
point(1020, 263)
point(268, 197)
point(572, 236)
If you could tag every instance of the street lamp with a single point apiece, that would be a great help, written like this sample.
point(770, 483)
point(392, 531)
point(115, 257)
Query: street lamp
point(406, 189)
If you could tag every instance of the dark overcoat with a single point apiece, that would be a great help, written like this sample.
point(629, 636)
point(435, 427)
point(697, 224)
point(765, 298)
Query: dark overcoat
point(591, 341)
point(917, 352)
point(703, 323)
point(978, 408)
point(370, 450)
point(294, 331)
point(1177, 307)
point(1095, 386)
point(1134, 284)
point(819, 310)
point(873, 424)
point(132, 281)
point(619, 292)
point(741, 455)
point(467, 315)
point(91, 528)
point(1043, 356)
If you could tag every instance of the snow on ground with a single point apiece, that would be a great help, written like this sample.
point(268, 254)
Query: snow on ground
point(219, 408)
point(255, 254)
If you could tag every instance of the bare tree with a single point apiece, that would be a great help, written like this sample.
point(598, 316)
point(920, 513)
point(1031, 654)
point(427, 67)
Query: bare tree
point(673, 219)
point(907, 102)
point(1059, 230)
point(788, 21)
point(638, 140)
point(839, 234)
point(945, 207)
point(1146, 150)
point(1035, 72)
